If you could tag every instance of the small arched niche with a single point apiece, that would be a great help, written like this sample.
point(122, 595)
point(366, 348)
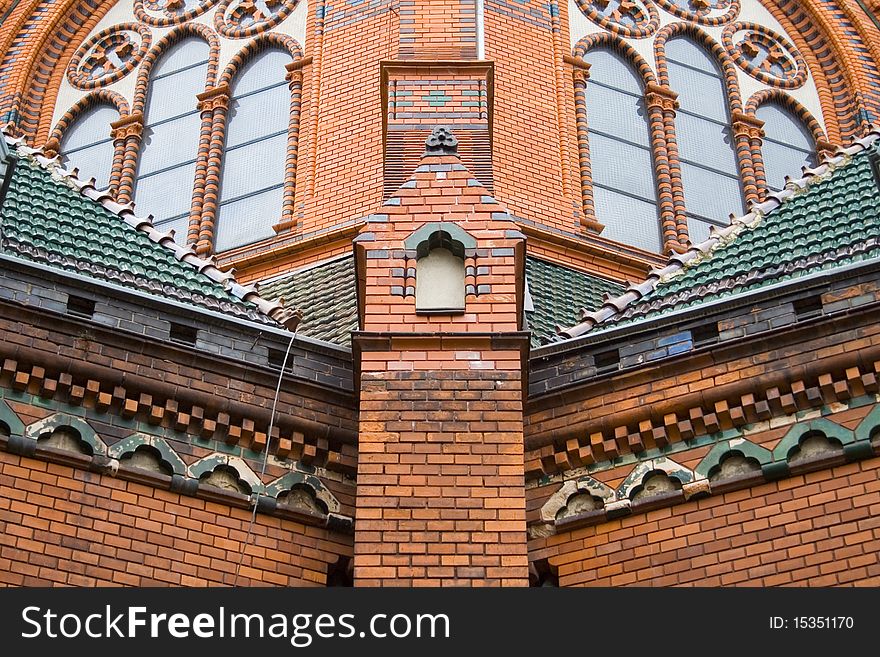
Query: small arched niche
point(440, 270)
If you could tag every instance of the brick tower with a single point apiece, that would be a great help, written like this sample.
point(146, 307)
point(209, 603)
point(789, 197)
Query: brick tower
point(440, 473)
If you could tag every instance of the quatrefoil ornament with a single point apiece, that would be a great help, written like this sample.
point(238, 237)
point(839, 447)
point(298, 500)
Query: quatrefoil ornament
point(704, 12)
point(108, 56)
point(630, 18)
point(765, 55)
point(162, 13)
point(237, 19)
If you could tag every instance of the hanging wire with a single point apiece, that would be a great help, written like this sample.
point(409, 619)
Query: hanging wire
point(255, 496)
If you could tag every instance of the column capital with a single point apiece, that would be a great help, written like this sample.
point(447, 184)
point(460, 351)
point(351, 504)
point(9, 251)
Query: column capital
point(659, 96)
point(580, 68)
point(128, 126)
point(746, 125)
point(214, 98)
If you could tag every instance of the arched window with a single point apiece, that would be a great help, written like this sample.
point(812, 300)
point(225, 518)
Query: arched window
point(88, 146)
point(706, 148)
point(624, 190)
point(170, 146)
point(252, 182)
point(787, 145)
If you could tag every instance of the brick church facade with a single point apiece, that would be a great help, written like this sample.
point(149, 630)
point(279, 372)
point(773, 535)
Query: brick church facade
point(433, 293)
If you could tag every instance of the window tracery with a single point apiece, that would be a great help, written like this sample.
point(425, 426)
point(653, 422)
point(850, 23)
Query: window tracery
point(710, 153)
point(191, 153)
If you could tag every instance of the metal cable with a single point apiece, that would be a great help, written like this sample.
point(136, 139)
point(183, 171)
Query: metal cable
point(255, 496)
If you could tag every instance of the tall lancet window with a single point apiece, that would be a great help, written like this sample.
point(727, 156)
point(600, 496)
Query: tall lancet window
point(88, 146)
point(252, 183)
point(787, 145)
point(624, 191)
point(170, 145)
point(706, 148)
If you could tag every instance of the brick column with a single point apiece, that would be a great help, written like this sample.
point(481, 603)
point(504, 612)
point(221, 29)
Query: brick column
point(441, 497)
point(127, 133)
point(440, 475)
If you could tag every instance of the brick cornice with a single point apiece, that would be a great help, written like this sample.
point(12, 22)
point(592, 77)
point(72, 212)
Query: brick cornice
point(704, 410)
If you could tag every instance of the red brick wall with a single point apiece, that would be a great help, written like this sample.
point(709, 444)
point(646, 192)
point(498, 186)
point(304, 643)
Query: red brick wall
point(529, 131)
point(60, 526)
point(440, 484)
point(816, 529)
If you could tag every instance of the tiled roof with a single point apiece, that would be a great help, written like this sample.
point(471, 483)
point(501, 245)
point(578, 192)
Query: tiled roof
point(328, 296)
point(558, 293)
point(51, 217)
point(827, 219)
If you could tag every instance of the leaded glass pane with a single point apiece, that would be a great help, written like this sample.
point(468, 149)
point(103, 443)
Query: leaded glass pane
point(706, 142)
point(91, 127)
point(622, 166)
point(249, 219)
point(616, 114)
point(176, 94)
point(787, 147)
point(264, 70)
point(166, 194)
point(170, 143)
point(710, 194)
point(612, 70)
point(781, 126)
point(93, 162)
point(781, 161)
point(254, 116)
point(181, 55)
point(627, 219)
point(254, 167)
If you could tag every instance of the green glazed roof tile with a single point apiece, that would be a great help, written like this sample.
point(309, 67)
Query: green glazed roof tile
point(328, 295)
point(558, 294)
point(51, 217)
